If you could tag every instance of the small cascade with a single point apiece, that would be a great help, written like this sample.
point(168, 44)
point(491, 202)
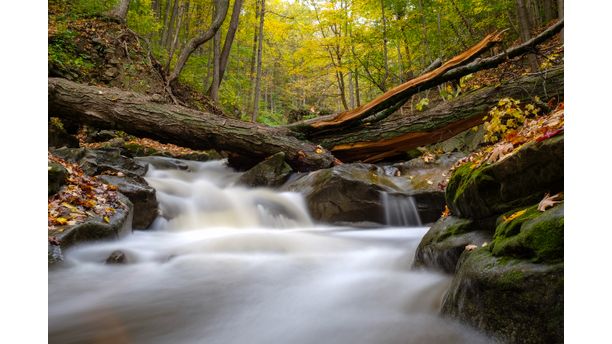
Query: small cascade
point(400, 210)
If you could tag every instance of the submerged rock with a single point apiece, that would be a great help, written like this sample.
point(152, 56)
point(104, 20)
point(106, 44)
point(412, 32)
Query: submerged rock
point(142, 196)
point(446, 240)
point(514, 300)
point(271, 172)
point(54, 255)
point(116, 257)
point(518, 180)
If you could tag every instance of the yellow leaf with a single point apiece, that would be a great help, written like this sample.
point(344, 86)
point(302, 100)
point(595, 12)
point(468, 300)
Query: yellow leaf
point(515, 215)
point(106, 219)
point(61, 220)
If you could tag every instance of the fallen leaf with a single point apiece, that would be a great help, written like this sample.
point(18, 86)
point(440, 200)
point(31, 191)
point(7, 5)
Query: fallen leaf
point(446, 211)
point(515, 215)
point(106, 219)
point(470, 247)
point(500, 152)
point(548, 201)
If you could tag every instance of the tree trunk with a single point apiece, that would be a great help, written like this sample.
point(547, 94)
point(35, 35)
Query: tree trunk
point(385, 53)
point(425, 39)
point(177, 31)
point(170, 28)
point(547, 7)
point(259, 64)
point(214, 87)
point(253, 63)
point(120, 12)
point(525, 27)
point(398, 134)
point(142, 115)
point(250, 142)
point(229, 38)
point(221, 11)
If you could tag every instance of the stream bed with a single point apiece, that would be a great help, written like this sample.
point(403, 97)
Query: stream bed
point(226, 264)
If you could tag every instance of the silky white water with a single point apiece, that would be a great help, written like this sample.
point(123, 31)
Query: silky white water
point(228, 265)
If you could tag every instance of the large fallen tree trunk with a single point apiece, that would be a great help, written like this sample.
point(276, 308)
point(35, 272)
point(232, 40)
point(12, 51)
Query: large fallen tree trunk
point(394, 136)
point(142, 115)
point(385, 104)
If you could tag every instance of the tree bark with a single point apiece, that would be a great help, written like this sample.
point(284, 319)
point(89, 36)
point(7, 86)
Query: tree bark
point(221, 11)
point(142, 115)
point(120, 12)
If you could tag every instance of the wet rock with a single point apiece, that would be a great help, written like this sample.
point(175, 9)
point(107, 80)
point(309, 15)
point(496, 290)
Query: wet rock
point(54, 255)
point(110, 161)
point(140, 193)
point(516, 301)
point(119, 225)
point(446, 240)
point(102, 136)
point(57, 175)
point(518, 180)
point(353, 193)
point(70, 154)
point(163, 163)
point(116, 257)
point(271, 172)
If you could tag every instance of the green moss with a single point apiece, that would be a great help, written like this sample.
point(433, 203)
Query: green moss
point(533, 235)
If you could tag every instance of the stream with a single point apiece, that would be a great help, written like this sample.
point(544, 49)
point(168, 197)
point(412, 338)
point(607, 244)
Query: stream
point(226, 264)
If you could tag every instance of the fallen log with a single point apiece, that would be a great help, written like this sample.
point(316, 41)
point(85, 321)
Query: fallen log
point(144, 116)
point(373, 142)
point(453, 69)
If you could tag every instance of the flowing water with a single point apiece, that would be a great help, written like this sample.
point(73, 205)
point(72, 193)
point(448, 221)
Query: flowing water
point(228, 265)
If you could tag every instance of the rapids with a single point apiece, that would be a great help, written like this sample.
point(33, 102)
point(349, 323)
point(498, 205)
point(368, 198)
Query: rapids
point(225, 264)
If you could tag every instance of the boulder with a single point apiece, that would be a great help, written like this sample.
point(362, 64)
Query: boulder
point(271, 172)
point(57, 175)
point(446, 240)
point(97, 229)
point(518, 180)
point(354, 192)
point(140, 193)
point(515, 301)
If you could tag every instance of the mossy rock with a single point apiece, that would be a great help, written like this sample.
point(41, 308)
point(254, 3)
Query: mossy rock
point(271, 172)
point(515, 301)
point(445, 241)
point(56, 177)
point(533, 235)
point(518, 180)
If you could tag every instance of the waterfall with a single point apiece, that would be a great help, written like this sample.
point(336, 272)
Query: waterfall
point(400, 210)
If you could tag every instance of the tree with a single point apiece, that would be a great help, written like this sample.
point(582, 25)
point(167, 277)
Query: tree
point(120, 12)
point(221, 7)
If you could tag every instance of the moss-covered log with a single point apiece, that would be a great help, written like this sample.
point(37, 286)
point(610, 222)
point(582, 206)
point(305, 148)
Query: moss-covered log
point(143, 115)
point(397, 134)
